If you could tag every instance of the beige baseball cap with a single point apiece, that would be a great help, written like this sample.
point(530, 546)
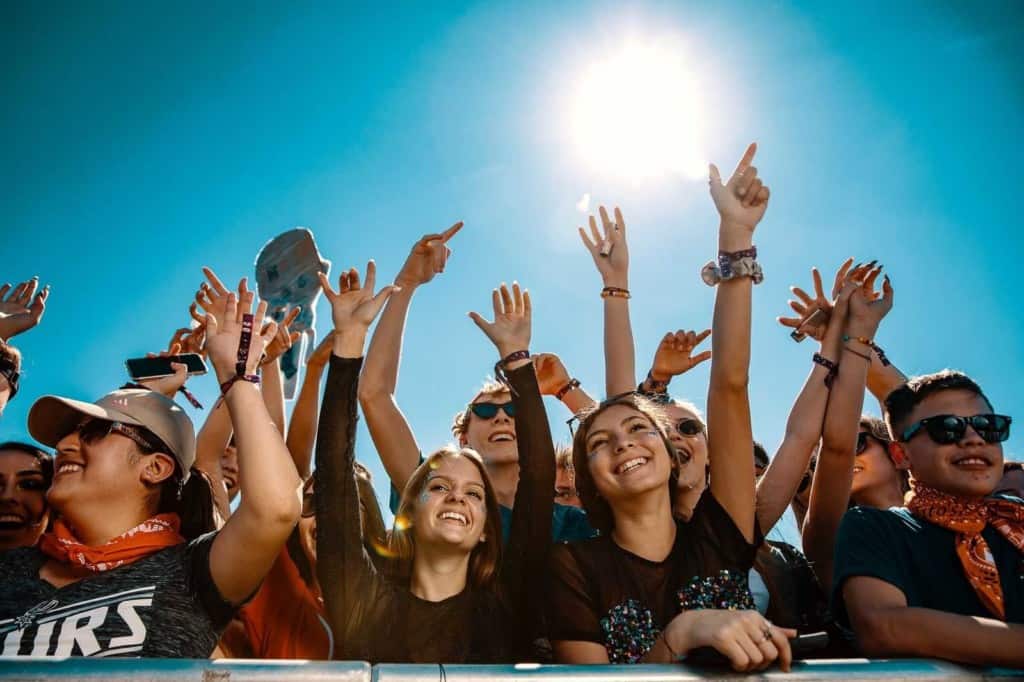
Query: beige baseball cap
point(52, 417)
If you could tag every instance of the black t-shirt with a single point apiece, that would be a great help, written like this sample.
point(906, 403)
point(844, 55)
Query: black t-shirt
point(602, 593)
point(163, 606)
point(920, 559)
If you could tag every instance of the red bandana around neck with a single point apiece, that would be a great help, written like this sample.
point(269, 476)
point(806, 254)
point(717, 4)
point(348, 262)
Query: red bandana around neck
point(967, 517)
point(152, 535)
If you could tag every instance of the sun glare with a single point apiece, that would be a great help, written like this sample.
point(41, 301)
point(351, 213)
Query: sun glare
point(637, 113)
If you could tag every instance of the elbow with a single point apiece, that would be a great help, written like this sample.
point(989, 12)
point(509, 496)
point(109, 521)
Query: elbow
point(371, 393)
point(731, 382)
point(876, 638)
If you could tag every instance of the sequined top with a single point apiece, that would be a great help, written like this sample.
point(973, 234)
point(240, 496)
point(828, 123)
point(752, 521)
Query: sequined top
point(602, 593)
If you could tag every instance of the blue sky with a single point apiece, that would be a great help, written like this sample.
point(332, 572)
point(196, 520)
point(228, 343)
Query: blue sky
point(142, 142)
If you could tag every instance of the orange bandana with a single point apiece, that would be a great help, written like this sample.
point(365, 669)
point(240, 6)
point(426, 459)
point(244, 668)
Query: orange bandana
point(152, 535)
point(968, 517)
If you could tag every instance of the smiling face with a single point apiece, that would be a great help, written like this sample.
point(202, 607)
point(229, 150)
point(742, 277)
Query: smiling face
point(873, 469)
point(451, 509)
point(494, 437)
point(626, 454)
point(970, 467)
point(691, 450)
point(23, 511)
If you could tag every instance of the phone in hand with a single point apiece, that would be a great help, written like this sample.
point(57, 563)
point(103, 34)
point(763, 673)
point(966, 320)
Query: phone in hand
point(154, 368)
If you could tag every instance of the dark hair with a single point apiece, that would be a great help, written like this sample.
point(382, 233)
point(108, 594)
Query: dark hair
point(760, 454)
point(599, 512)
point(11, 354)
point(902, 401)
point(44, 458)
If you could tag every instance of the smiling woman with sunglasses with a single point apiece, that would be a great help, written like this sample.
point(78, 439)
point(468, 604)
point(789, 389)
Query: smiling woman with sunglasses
point(941, 576)
point(123, 571)
point(453, 594)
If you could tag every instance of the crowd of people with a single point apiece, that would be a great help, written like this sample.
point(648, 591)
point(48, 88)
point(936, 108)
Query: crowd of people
point(644, 541)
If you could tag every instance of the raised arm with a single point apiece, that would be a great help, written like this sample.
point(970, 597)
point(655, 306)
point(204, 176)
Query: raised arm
point(674, 356)
point(270, 368)
point(779, 484)
point(741, 203)
point(389, 429)
point(526, 555)
point(302, 426)
point(611, 256)
point(833, 475)
point(250, 541)
point(554, 380)
point(346, 574)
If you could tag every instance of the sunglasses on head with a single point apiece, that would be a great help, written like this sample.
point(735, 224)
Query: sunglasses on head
point(490, 410)
point(945, 429)
point(689, 427)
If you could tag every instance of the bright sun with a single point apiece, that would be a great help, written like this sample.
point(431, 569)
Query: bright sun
point(636, 113)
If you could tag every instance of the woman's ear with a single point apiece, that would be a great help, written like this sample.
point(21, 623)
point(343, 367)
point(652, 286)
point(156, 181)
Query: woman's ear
point(462, 440)
point(158, 468)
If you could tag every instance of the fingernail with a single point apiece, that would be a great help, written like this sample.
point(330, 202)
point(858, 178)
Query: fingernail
point(872, 263)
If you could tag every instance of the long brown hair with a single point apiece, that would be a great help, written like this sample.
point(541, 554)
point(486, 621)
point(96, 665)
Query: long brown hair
point(485, 557)
point(599, 512)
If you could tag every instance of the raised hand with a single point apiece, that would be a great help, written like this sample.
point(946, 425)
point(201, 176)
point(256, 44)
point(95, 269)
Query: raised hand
point(510, 331)
point(224, 333)
point(552, 376)
point(428, 257)
point(22, 308)
point(169, 385)
point(742, 201)
point(814, 314)
point(674, 355)
point(283, 339)
point(354, 306)
point(608, 248)
point(867, 307)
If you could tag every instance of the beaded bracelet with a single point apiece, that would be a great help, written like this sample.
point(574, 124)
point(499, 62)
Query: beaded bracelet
point(872, 345)
point(615, 292)
point(832, 367)
point(573, 384)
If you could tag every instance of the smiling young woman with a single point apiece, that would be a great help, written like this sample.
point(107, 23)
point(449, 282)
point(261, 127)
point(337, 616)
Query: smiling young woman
point(25, 475)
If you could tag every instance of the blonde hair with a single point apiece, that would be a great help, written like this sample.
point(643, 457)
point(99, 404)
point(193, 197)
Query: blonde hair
point(485, 558)
point(490, 387)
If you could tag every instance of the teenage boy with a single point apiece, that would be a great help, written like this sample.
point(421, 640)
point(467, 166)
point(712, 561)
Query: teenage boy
point(942, 577)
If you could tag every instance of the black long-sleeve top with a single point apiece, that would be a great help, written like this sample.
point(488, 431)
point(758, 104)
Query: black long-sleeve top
point(377, 619)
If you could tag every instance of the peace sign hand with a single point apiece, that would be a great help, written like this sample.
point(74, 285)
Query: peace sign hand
point(429, 257)
point(608, 248)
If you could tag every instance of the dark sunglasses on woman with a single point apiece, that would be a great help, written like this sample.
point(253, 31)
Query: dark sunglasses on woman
point(490, 410)
point(945, 429)
point(689, 427)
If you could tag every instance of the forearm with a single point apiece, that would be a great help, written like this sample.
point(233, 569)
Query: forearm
point(883, 380)
point(340, 568)
point(619, 352)
point(380, 371)
point(267, 478)
point(927, 633)
point(730, 438)
point(578, 400)
point(273, 392)
point(302, 427)
point(211, 441)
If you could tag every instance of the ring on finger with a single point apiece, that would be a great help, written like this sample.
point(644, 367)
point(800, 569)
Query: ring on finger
point(767, 632)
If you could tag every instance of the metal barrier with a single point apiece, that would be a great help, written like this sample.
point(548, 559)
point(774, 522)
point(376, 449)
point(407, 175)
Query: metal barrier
point(184, 670)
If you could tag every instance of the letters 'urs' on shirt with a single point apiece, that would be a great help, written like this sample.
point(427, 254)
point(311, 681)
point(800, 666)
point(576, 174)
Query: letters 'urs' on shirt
point(602, 593)
point(165, 605)
point(919, 558)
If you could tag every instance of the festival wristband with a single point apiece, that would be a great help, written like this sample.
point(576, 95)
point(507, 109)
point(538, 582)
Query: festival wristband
point(573, 384)
point(832, 367)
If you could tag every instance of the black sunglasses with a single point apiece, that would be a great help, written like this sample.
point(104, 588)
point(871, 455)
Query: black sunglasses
point(490, 410)
point(92, 430)
point(862, 442)
point(689, 427)
point(945, 429)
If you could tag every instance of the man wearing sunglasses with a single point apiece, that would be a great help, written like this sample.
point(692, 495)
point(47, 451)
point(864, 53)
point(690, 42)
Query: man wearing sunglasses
point(940, 577)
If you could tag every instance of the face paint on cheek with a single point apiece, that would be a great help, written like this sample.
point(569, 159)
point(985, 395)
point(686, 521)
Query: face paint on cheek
point(424, 496)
